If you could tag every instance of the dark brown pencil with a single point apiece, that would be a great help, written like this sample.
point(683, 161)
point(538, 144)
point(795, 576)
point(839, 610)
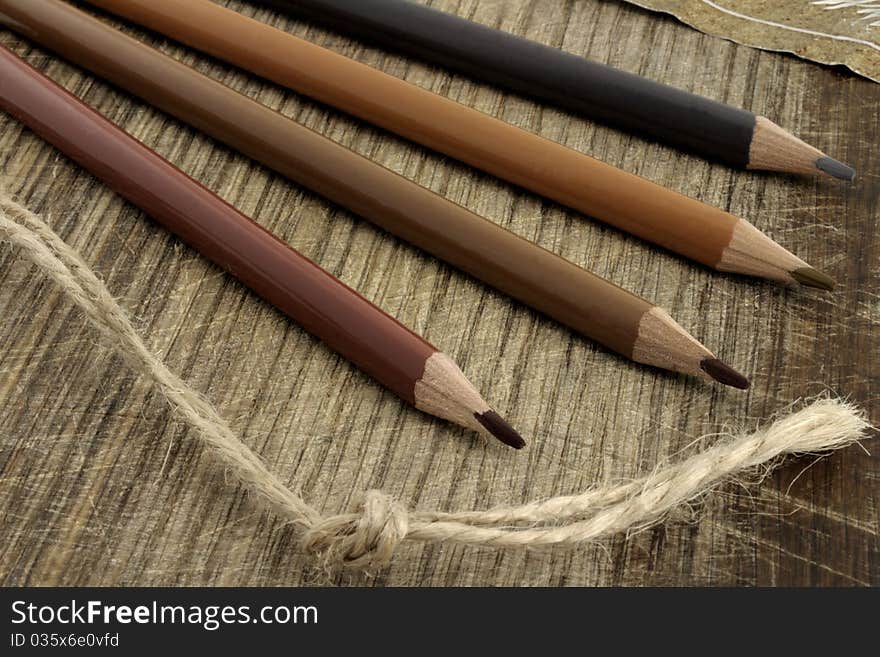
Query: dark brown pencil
point(625, 323)
point(322, 304)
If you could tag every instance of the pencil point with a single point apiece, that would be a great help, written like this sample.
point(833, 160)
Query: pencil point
point(835, 169)
point(775, 149)
point(723, 373)
point(498, 427)
point(445, 392)
point(813, 278)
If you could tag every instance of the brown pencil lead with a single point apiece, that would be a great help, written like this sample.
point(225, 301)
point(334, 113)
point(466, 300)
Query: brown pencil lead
point(444, 391)
point(723, 373)
point(813, 278)
point(498, 427)
point(835, 169)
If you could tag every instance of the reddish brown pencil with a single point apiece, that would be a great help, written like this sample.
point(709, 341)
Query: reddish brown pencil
point(377, 343)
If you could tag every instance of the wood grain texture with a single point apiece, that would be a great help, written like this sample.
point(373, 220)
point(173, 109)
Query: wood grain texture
point(98, 485)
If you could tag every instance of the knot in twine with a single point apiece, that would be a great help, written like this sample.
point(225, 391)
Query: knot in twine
point(367, 537)
point(364, 538)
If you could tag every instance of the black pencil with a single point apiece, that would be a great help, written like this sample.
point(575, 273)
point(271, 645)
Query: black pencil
point(631, 102)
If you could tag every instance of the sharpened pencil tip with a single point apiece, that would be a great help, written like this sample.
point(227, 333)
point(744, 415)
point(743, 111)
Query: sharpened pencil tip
point(835, 169)
point(498, 427)
point(723, 373)
point(813, 278)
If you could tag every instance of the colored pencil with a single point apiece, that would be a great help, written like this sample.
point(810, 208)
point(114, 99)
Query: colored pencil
point(378, 344)
point(696, 230)
point(694, 123)
point(623, 322)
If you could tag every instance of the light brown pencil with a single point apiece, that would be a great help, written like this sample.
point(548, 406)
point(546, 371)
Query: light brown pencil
point(698, 231)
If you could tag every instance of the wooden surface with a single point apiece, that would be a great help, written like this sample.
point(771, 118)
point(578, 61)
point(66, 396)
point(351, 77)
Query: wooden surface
point(99, 485)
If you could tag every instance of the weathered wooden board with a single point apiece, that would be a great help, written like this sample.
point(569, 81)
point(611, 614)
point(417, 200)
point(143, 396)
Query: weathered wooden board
point(98, 485)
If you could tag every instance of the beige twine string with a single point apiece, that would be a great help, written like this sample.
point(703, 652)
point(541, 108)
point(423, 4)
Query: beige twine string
point(367, 536)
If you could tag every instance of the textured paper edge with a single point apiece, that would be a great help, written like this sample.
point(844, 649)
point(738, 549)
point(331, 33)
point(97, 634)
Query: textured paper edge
point(705, 18)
